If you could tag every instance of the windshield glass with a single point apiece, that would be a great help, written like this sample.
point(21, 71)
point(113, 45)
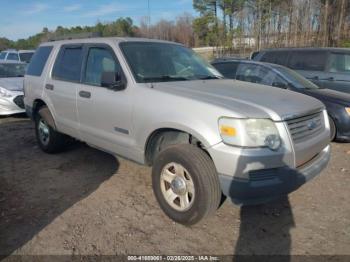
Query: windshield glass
point(297, 80)
point(12, 70)
point(25, 57)
point(162, 62)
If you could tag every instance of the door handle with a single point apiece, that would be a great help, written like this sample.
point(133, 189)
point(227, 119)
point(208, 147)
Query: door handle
point(49, 87)
point(85, 94)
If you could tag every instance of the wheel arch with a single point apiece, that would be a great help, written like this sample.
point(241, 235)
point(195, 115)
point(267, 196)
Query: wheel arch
point(46, 114)
point(161, 138)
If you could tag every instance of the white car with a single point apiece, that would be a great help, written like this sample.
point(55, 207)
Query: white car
point(14, 55)
point(11, 87)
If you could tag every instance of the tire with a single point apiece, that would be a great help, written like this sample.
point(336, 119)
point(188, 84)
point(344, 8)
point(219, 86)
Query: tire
point(49, 140)
point(189, 167)
point(333, 128)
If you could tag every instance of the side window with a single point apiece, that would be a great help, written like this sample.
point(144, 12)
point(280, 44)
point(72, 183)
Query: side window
point(227, 69)
point(279, 82)
point(68, 64)
point(38, 61)
point(99, 60)
point(2, 55)
point(307, 60)
point(248, 73)
point(253, 73)
point(277, 57)
point(339, 63)
point(13, 57)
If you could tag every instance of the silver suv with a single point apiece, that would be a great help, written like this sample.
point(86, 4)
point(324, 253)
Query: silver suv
point(160, 104)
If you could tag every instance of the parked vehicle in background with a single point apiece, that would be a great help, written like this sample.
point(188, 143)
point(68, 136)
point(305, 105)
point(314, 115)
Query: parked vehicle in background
point(158, 103)
point(11, 87)
point(337, 103)
point(20, 56)
point(326, 67)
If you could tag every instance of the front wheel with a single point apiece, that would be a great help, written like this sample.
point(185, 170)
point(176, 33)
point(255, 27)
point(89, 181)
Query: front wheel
point(186, 184)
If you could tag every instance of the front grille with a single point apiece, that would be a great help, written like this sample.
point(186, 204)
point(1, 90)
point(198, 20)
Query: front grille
point(18, 100)
point(305, 127)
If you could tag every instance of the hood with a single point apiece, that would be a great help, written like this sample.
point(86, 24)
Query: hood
point(246, 99)
point(329, 95)
point(12, 83)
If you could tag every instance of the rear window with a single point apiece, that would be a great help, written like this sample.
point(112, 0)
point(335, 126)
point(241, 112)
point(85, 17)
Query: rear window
point(25, 57)
point(38, 61)
point(279, 58)
point(339, 63)
point(227, 69)
point(12, 57)
point(68, 64)
point(307, 60)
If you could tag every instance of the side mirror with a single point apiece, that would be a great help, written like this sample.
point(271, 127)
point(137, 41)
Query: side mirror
point(113, 80)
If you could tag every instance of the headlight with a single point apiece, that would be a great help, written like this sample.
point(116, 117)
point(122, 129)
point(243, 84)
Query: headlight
point(249, 132)
point(347, 109)
point(5, 93)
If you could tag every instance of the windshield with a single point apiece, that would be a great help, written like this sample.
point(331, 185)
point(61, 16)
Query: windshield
point(25, 57)
point(162, 62)
point(297, 80)
point(12, 70)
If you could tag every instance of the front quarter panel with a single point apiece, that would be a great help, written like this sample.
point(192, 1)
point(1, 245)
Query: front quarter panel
point(155, 109)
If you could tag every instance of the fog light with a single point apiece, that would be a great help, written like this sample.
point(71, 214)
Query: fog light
point(273, 142)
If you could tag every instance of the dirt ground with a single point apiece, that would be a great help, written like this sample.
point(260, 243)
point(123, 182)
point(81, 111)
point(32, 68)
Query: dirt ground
point(84, 201)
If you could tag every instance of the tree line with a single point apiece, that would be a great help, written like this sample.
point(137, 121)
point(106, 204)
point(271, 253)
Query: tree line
point(233, 24)
point(272, 23)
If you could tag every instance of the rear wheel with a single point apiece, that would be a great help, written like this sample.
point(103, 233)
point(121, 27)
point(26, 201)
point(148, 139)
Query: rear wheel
point(333, 128)
point(49, 140)
point(186, 184)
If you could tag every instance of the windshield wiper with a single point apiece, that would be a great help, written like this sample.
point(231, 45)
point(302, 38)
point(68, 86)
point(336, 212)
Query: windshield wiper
point(207, 77)
point(164, 78)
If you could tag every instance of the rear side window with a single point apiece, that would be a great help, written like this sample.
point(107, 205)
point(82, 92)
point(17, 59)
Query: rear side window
point(339, 63)
point(279, 58)
point(38, 61)
point(68, 64)
point(307, 60)
point(12, 57)
point(227, 69)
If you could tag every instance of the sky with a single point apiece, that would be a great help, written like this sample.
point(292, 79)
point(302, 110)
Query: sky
point(23, 18)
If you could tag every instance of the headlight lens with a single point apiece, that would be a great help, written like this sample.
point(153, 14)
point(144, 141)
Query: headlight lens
point(347, 109)
point(249, 132)
point(5, 93)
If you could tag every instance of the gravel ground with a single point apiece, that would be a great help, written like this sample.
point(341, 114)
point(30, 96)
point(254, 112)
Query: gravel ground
point(84, 201)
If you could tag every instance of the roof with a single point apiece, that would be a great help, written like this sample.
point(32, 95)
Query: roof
point(247, 61)
point(308, 49)
point(106, 40)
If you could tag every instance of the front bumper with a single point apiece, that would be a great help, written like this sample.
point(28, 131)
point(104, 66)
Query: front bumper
point(12, 105)
point(267, 184)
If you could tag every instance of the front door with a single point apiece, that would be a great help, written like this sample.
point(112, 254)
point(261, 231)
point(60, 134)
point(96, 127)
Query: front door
point(104, 114)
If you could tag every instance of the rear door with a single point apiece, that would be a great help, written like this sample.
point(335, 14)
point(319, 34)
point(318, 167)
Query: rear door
point(104, 114)
point(311, 64)
point(337, 76)
point(61, 88)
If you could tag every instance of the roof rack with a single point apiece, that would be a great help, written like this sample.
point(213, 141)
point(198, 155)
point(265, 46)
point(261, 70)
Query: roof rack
point(75, 36)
